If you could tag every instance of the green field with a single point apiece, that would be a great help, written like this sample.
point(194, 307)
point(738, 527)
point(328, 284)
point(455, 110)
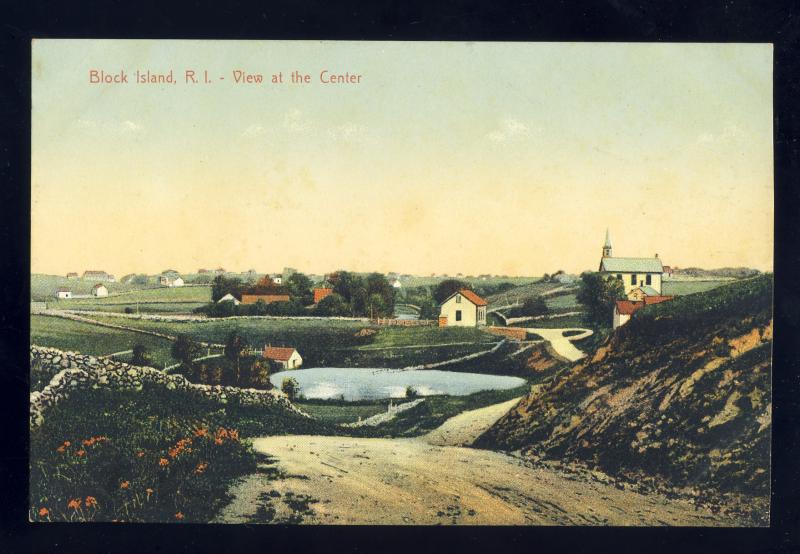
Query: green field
point(562, 302)
point(681, 288)
point(43, 287)
point(163, 296)
point(336, 412)
point(520, 293)
point(86, 338)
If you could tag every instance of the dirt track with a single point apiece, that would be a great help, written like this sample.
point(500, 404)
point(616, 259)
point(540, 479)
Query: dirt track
point(343, 480)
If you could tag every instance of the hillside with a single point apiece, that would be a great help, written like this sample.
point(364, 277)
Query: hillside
point(727, 272)
point(681, 394)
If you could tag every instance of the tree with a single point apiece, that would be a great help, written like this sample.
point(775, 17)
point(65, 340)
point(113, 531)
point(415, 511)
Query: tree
point(140, 356)
point(534, 306)
point(290, 387)
point(332, 305)
point(411, 392)
point(225, 285)
point(299, 286)
point(598, 293)
point(234, 345)
point(380, 295)
point(446, 288)
point(184, 349)
point(428, 310)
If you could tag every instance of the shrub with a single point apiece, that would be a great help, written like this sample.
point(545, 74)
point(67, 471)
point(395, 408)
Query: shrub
point(290, 387)
point(411, 392)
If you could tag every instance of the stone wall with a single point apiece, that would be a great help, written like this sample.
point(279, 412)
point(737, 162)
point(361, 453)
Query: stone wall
point(77, 372)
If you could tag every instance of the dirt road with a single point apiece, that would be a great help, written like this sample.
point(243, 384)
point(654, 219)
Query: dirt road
point(344, 480)
point(561, 344)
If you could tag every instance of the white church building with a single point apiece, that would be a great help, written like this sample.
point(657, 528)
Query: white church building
point(640, 276)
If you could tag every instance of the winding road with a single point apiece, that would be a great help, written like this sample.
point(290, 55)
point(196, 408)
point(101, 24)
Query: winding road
point(563, 345)
point(428, 481)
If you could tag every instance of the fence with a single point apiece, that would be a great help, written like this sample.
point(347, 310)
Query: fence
point(405, 322)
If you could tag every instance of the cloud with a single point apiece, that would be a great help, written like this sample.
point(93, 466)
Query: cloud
point(296, 122)
point(509, 129)
point(131, 126)
point(254, 130)
point(729, 133)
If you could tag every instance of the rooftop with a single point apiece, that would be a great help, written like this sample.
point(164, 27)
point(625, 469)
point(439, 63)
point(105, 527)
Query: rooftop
point(632, 265)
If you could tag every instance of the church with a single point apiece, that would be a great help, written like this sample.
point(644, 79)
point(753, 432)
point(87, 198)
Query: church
point(640, 276)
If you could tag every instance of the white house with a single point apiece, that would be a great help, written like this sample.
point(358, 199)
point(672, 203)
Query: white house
point(288, 358)
point(170, 280)
point(63, 292)
point(277, 279)
point(396, 283)
point(635, 273)
point(99, 290)
point(463, 308)
point(229, 298)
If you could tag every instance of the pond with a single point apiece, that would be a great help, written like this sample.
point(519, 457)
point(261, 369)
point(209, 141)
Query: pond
point(351, 384)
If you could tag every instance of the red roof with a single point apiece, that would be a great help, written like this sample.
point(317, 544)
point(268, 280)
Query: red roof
point(472, 297)
point(278, 353)
point(656, 299)
point(98, 285)
point(62, 289)
point(627, 307)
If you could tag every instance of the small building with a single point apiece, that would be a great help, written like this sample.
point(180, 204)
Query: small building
point(266, 298)
point(220, 271)
point(396, 283)
point(94, 275)
point(288, 358)
point(624, 309)
point(463, 308)
point(170, 280)
point(276, 278)
point(99, 290)
point(229, 298)
point(322, 292)
point(72, 276)
point(633, 272)
point(63, 292)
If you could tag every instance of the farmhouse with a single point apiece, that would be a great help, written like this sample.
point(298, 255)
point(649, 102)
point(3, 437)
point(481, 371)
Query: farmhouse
point(266, 298)
point(635, 273)
point(99, 290)
point(229, 298)
point(276, 278)
point(288, 358)
point(322, 292)
point(93, 275)
point(463, 308)
point(624, 309)
point(63, 292)
point(170, 280)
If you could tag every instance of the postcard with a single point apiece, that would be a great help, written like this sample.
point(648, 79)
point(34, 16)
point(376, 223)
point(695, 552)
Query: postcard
point(401, 283)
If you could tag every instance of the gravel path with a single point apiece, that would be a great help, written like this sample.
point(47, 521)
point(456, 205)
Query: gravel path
point(561, 344)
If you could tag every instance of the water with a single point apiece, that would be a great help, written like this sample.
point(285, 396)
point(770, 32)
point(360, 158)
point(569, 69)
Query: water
point(374, 383)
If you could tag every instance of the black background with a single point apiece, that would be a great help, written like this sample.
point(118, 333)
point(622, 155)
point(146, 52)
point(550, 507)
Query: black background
point(611, 20)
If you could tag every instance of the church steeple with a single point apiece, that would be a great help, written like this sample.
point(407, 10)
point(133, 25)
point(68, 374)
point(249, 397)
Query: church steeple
point(607, 246)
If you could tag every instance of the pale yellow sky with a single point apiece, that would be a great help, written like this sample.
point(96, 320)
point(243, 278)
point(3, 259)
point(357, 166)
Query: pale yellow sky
point(504, 158)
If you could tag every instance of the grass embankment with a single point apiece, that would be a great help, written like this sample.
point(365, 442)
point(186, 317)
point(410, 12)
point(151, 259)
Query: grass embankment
point(153, 455)
point(434, 411)
point(95, 340)
point(682, 288)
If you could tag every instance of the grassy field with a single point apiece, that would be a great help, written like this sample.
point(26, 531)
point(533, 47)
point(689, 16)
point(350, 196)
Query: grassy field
point(92, 339)
point(562, 302)
point(520, 293)
point(420, 281)
point(163, 297)
point(336, 412)
point(43, 287)
point(681, 288)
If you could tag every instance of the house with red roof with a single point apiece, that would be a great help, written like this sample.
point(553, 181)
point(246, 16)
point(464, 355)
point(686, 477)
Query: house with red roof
point(463, 308)
point(624, 309)
point(287, 357)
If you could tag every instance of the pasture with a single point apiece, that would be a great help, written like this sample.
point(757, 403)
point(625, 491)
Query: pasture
point(682, 288)
point(43, 287)
point(95, 340)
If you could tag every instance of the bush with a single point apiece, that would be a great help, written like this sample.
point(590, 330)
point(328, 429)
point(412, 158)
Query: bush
point(411, 392)
point(290, 387)
point(140, 356)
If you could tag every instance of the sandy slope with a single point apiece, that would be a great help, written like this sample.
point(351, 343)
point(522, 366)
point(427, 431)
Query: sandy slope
point(410, 481)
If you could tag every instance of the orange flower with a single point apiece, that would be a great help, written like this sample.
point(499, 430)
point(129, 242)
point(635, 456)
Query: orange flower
point(124, 485)
point(201, 467)
point(200, 432)
point(88, 442)
point(234, 434)
point(91, 501)
point(75, 504)
point(163, 462)
point(140, 454)
point(43, 512)
point(149, 492)
point(178, 515)
point(61, 448)
point(80, 452)
point(67, 443)
point(217, 441)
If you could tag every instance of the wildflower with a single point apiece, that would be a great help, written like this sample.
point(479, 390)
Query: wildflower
point(233, 434)
point(43, 512)
point(67, 443)
point(140, 454)
point(124, 484)
point(201, 467)
point(163, 462)
point(88, 442)
point(91, 501)
point(149, 492)
point(200, 432)
point(178, 515)
point(75, 504)
point(217, 441)
point(61, 448)
point(80, 452)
